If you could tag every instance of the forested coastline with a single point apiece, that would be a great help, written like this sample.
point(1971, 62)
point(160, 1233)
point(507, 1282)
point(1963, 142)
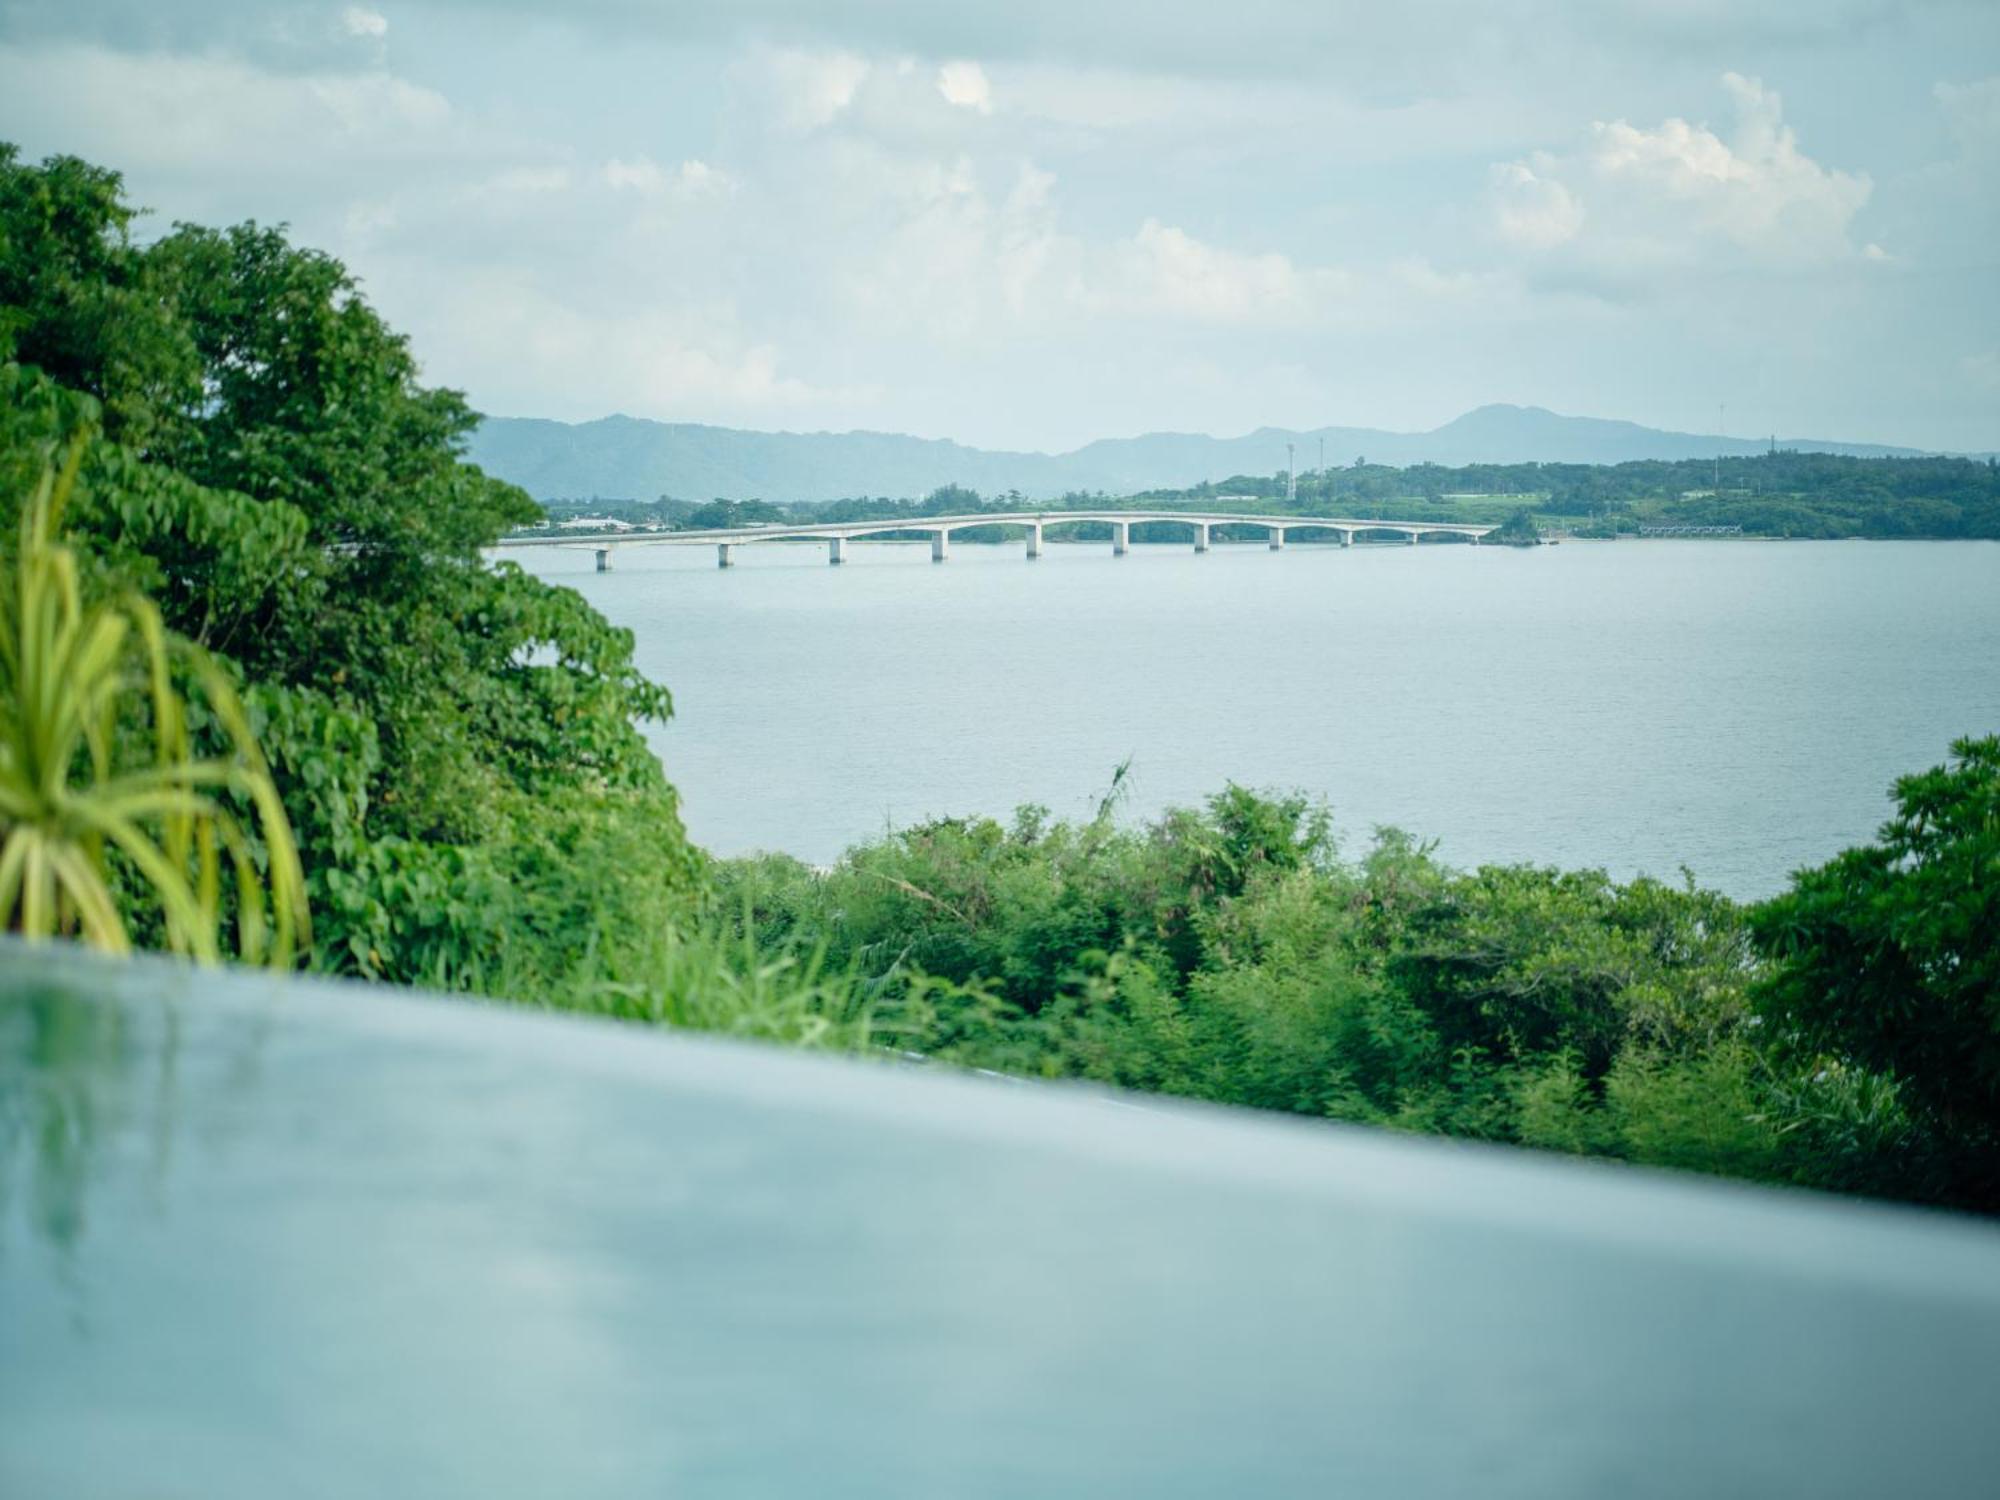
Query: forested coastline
point(1805, 496)
point(241, 444)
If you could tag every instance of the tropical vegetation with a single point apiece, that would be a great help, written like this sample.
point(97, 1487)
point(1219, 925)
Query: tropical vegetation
point(249, 629)
point(1842, 1036)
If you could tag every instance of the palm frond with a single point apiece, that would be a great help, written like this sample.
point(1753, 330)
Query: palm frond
point(82, 684)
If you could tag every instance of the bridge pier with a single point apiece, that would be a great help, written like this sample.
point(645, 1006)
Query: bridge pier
point(1033, 526)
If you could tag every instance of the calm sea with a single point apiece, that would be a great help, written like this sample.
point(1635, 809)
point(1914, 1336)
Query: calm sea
point(1738, 708)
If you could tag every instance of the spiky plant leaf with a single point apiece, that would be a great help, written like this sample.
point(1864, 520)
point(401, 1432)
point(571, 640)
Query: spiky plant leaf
point(69, 669)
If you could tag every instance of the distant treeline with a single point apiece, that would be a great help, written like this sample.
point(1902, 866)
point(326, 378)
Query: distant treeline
point(691, 515)
point(1784, 493)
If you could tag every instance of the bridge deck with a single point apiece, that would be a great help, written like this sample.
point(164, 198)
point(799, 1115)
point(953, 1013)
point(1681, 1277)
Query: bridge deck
point(778, 531)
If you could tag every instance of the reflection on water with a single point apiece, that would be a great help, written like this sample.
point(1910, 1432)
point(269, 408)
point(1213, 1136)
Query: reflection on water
point(325, 1241)
point(64, 1070)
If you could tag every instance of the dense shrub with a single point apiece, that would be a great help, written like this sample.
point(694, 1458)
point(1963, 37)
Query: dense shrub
point(1228, 953)
point(1888, 961)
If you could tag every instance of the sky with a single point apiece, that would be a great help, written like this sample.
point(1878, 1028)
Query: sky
point(1033, 223)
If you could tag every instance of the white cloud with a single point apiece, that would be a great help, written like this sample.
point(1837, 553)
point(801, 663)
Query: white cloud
point(360, 21)
point(1646, 198)
point(697, 179)
point(528, 181)
point(1945, 216)
point(1167, 270)
point(955, 261)
point(1973, 111)
point(886, 237)
point(965, 85)
point(815, 88)
point(177, 113)
point(1531, 210)
point(692, 179)
point(641, 175)
point(1415, 45)
point(515, 330)
point(955, 257)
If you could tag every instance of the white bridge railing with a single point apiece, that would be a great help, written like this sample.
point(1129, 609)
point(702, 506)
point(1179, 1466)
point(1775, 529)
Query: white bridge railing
point(837, 534)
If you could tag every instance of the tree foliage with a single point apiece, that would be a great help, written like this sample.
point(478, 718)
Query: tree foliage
point(1230, 953)
point(273, 473)
point(1888, 958)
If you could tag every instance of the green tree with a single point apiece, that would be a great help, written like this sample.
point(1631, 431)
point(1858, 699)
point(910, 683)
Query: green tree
point(278, 478)
point(720, 514)
point(1888, 956)
point(79, 302)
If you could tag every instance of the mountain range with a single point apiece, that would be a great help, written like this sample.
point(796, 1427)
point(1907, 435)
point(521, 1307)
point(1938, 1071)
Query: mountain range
point(631, 458)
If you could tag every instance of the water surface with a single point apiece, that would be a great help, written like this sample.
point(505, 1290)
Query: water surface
point(1738, 708)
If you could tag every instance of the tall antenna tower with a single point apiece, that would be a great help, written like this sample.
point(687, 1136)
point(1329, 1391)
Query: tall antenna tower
point(1291, 475)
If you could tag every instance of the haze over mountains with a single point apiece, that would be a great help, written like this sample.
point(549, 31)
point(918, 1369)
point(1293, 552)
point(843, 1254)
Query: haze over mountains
point(630, 458)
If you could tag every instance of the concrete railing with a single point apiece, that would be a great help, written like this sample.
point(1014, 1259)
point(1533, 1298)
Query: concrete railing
point(1033, 524)
point(262, 1238)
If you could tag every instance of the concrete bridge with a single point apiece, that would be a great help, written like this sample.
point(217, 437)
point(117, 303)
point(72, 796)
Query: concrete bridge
point(837, 534)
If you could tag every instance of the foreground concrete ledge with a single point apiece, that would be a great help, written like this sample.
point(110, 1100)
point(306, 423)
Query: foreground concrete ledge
point(314, 1238)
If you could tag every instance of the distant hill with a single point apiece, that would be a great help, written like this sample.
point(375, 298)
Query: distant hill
point(631, 458)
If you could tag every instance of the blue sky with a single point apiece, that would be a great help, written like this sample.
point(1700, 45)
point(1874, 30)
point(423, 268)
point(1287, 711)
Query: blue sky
point(1035, 223)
